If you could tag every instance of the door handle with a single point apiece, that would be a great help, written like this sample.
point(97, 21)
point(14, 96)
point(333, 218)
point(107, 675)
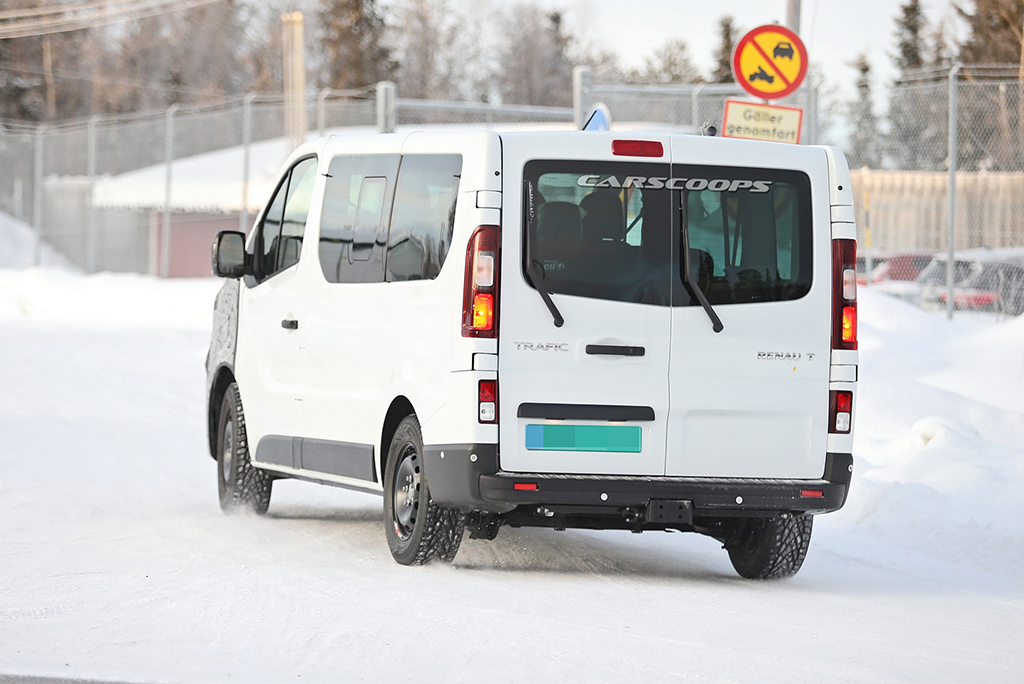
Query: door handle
point(290, 324)
point(614, 350)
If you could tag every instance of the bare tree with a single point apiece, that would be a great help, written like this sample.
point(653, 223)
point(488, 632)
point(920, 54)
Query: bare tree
point(668, 64)
point(535, 65)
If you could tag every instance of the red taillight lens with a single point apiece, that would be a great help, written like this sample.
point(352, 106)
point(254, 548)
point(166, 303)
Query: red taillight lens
point(638, 148)
point(480, 293)
point(525, 486)
point(850, 325)
point(840, 411)
point(483, 312)
point(812, 493)
point(844, 294)
point(487, 401)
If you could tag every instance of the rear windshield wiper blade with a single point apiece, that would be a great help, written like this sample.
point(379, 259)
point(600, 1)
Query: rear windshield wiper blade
point(537, 276)
point(691, 281)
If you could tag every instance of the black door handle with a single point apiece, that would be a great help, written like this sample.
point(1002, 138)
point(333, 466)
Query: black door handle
point(615, 350)
point(290, 324)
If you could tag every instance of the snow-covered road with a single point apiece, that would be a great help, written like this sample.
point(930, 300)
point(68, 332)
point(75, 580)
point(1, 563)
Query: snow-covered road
point(116, 563)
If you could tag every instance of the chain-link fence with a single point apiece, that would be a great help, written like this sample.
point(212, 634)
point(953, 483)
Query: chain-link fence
point(956, 191)
point(129, 192)
point(146, 192)
point(685, 107)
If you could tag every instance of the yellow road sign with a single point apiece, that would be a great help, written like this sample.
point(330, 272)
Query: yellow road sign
point(770, 62)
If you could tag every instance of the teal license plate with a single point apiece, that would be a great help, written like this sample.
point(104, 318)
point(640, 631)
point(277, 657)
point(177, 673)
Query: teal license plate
point(617, 438)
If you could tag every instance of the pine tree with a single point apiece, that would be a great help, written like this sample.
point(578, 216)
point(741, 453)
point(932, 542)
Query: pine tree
point(995, 32)
point(722, 72)
point(353, 42)
point(910, 26)
point(915, 124)
point(864, 148)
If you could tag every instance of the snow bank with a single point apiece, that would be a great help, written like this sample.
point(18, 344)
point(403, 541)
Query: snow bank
point(18, 246)
point(107, 299)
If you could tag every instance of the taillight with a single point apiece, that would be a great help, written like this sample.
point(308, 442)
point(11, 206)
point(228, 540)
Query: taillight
point(840, 411)
point(844, 294)
point(487, 401)
point(480, 292)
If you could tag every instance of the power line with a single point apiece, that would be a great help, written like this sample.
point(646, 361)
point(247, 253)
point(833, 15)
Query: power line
point(49, 20)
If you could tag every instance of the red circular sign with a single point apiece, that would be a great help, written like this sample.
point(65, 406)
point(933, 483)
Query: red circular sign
point(770, 62)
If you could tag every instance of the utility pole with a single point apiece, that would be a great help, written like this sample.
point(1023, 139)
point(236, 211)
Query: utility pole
point(793, 16)
point(294, 79)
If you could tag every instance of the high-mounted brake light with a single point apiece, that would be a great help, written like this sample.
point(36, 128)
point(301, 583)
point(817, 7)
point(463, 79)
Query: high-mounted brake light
point(637, 148)
point(840, 411)
point(487, 401)
point(480, 291)
point(844, 294)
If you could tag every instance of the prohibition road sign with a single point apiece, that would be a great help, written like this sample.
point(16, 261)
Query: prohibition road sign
point(770, 62)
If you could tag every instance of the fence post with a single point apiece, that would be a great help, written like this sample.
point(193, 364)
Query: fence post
point(321, 111)
point(386, 107)
point(695, 107)
point(243, 216)
point(165, 237)
point(951, 231)
point(37, 194)
point(582, 80)
point(90, 225)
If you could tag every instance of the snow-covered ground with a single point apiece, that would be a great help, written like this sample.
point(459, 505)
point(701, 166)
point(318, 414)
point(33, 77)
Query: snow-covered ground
point(117, 565)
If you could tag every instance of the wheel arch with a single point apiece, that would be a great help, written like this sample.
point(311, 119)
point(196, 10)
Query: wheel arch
point(223, 377)
point(400, 408)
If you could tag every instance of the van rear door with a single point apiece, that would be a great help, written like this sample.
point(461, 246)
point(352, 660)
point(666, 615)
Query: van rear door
point(750, 401)
point(590, 396)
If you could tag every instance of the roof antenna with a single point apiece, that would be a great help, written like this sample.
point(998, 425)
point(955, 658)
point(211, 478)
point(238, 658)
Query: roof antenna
point(599, 119)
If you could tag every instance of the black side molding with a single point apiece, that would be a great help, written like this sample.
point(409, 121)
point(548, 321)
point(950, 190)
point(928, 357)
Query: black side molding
point(615, 350)
point(585, 412)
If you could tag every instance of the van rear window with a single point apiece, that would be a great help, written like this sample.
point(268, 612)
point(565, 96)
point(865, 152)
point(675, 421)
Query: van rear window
point(617, 231)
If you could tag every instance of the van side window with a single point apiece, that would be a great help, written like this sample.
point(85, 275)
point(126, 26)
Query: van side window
point(279, 237)
point(353, 221)
point(424, 216)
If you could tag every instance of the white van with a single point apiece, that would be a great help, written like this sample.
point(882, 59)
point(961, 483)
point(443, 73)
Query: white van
point(566, 330)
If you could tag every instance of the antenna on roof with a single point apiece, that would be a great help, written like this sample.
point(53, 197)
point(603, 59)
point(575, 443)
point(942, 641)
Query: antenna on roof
point(599, 119)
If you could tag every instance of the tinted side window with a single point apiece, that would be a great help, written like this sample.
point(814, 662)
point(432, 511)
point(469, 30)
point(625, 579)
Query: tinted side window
point(353, 223)
point(424, 216)
point(279, 241)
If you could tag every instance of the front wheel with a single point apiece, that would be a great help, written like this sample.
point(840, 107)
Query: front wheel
point(770, 548)
point(417, 529)
point(241, 486)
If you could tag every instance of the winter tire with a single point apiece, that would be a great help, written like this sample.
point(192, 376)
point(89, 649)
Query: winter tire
point(241, 486)
point(770, 548)
point(417, 529)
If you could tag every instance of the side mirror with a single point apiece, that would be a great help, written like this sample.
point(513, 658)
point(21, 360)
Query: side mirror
point(228, 256)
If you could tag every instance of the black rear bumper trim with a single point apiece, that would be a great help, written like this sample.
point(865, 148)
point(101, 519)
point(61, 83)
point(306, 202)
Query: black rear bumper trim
point(468, 476)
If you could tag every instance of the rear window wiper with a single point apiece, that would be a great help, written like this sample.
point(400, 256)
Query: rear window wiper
point(691, 281)
point(536, 272)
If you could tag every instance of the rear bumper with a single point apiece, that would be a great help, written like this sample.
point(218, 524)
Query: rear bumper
point(468, 477)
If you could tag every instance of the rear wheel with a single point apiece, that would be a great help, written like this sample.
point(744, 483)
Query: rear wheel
point(770, 548)
point(417, 529)
point(241, 486)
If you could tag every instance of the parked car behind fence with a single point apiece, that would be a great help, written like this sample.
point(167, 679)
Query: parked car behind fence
point(983, 280)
